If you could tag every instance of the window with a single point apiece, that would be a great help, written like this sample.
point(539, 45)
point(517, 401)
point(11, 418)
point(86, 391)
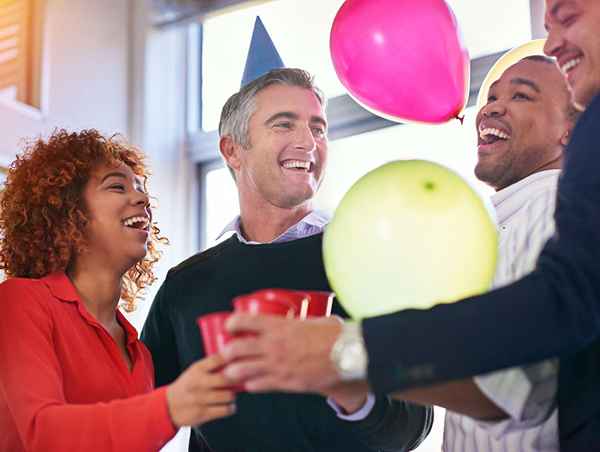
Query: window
point(20, 51)
point(217, 58)
point(452, 145)
point(304, 41)
point(220, 202)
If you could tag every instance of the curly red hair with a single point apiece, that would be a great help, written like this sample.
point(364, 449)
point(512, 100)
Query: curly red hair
point(42, 212)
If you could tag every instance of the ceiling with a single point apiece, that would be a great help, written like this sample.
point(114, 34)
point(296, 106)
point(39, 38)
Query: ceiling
point(167, 12)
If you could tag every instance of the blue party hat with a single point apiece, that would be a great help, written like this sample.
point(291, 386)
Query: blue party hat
point(262, 54)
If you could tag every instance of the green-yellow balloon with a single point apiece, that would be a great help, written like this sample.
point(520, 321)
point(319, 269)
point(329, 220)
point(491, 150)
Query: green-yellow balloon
point(409, 234)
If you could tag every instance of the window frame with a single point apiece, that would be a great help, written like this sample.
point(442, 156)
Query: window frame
point(202, 170)
point(346, 117)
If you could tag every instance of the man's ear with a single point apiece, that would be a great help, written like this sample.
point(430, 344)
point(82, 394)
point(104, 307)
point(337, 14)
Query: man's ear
point(230, 152)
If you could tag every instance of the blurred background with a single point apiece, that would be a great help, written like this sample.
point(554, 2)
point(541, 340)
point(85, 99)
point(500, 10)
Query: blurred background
point(158, 72)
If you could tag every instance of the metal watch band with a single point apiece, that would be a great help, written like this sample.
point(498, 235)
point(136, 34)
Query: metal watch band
point(349, 354)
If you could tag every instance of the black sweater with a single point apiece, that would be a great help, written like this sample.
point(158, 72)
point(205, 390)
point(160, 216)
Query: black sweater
point(206, 283)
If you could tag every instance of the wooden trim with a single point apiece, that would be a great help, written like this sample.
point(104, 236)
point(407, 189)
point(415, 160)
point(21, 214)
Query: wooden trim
point(11, 12)
point(9, 70)
point(23, 42)
point(21, 38)
point(34, 54)
point(9, 41)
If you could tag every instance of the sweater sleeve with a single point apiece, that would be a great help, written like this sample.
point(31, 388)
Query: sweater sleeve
point(31, 384)
point(551, 312)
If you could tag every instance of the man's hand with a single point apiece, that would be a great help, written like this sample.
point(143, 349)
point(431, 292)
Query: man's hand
point(282, 354)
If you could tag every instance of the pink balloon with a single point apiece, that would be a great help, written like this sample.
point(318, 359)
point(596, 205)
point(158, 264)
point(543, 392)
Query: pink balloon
point(402, 59)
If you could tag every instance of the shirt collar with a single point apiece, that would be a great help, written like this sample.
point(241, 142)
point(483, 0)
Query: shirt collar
point(312, 223)
point(62, 288)
point(130, 331)
point(518, 192)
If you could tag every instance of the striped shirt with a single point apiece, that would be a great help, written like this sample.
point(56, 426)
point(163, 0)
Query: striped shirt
point(311, 224)
point(527, 394)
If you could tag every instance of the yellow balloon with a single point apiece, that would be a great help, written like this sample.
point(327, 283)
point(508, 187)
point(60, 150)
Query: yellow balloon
point(534, 47)
point(409, 234)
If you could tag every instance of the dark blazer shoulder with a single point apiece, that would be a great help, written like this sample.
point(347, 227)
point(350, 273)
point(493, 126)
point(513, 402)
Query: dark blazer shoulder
point(199, 259)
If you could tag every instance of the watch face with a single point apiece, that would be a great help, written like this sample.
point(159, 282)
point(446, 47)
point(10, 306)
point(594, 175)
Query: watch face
point(349, 355)
point(352, 359)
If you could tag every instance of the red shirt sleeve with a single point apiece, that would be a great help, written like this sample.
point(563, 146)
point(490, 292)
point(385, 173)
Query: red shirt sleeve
point(32, 387)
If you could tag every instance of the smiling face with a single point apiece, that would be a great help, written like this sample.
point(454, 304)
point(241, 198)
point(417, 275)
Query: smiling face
point(524, 125)
point(573, 27)
point(117, 208)
point(285, 162)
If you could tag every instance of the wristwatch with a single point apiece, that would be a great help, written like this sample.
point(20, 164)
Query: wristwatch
point(349, 354)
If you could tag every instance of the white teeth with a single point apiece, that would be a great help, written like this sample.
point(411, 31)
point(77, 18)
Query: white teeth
point(570, 65)
point(296, 164)
point(135, 220)
point(495, 132)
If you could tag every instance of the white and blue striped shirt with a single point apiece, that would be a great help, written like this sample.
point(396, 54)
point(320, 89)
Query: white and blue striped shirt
point(311, 224)
point(527, 394)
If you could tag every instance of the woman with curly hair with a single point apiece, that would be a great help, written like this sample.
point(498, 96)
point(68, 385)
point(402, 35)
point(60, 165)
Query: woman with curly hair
point(76, 238)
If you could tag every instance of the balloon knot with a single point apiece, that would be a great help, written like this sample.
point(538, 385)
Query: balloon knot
point(461, 118)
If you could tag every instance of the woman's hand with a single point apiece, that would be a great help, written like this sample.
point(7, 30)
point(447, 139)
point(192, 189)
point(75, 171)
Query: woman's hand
point(200, 394)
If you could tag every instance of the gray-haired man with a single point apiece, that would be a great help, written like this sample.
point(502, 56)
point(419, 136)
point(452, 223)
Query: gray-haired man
point(274, 140)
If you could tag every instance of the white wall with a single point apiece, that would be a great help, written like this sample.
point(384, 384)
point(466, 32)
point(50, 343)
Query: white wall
point(104, 67)
point(85, 73)
point(158, 126)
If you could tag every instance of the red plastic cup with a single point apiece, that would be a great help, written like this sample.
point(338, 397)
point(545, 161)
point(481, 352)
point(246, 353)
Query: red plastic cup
point(214, 334)
point(280, 302)
point(319, 303)
point(215, 337)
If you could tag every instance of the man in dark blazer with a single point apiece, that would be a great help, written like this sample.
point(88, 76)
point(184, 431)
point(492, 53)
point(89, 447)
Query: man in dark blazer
point(554, 311)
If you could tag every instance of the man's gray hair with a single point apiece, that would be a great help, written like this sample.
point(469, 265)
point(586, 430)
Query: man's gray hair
point(238, 109)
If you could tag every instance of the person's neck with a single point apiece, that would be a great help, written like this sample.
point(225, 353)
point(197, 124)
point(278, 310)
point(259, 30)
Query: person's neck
point(265, 224)
point(99, 289)
point(554, 164)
